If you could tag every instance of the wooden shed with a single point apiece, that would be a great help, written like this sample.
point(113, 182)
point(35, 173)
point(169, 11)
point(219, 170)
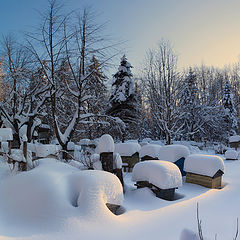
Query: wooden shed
point(204, 170)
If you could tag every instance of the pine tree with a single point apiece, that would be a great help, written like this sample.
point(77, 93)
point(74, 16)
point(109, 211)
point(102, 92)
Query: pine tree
point(191, 119)
point(124, 100)
point(229, 110)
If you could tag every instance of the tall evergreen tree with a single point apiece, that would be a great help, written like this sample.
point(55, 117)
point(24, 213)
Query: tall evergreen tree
point(229, 110)
point(124, 100)
point(190, 108)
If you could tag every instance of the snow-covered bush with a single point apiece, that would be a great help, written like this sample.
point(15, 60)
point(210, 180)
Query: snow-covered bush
point(127, 149)
point(162, 174)
point(202, 164)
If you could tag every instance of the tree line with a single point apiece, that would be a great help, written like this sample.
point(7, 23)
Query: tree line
point(56, 76)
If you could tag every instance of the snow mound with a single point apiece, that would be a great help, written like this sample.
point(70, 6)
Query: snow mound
point(6, 134)
point(105, 144)
point(127, 149)
point(53, 192)
point(172, 153)
point(188, 235)
point(235, 138)
point(162, 174)
point(150, 150)
point(231, 154)
point(44, 150)
point(202, 164)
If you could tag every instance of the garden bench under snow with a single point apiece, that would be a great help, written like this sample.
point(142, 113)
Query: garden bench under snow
point(161, 177)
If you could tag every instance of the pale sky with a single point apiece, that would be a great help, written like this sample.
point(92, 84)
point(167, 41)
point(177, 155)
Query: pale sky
point(202, 31)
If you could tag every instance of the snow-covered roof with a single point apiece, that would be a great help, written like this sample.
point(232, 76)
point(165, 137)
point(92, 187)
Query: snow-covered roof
point(6, 134)
point(150, 150)
point(235, 138)
point(106, 144)
point(127, 149)
point(162, 174)
point(202, 164)
point(231, 154)
point(172, 153)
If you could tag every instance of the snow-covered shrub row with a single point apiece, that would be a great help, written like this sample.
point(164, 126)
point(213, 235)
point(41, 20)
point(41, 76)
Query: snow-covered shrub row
point(231, 154)
point(202, 164)
point(127, 149)
point(162, 174)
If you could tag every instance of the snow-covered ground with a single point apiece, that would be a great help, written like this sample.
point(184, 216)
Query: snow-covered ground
point(58, 201)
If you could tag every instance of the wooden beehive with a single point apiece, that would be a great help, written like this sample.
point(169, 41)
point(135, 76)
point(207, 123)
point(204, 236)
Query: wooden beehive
point(166, 194)
point(131, 160)
point(145, 158)
point(205, 181)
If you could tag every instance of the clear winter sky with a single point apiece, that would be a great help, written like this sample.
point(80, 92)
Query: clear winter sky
point(202, 31)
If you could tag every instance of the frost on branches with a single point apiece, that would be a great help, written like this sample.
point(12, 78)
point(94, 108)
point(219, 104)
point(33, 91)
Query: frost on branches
point(124, 101)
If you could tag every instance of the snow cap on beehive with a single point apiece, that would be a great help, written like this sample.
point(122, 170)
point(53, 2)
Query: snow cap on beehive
point(207, 165)
point(162, 174)
point(106, 144)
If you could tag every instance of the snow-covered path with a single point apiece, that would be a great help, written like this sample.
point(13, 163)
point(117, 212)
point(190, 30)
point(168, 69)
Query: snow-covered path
point(146, 216)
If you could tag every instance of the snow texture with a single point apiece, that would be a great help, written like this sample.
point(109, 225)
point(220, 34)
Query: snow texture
point(202, 164)
point(6, 134)
point(231, 154)
point(150, 150)
point(105, 144)
point(235, 138)
point(127, 149)
point(44, 150)
point(162, 174)
point(172, 153)
point(51, 194)
point(117, 161)
point(188, 235)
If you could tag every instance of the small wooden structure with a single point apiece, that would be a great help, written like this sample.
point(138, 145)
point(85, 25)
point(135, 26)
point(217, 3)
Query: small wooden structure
point(166, 194)
point(205, 181)
point(44, 133)
point(204, 170)
point(161, 177)
point(234, 142)
point(130, 160)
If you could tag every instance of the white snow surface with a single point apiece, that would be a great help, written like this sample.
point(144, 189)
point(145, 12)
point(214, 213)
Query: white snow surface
point(203, 164)
point(49, 216)
point(105, 144)
point(44, 150)
point(6, 134)
point(231, 154)
point(55, 195)
point(151, 150)
point(162, 174)
point(235, 138)
point(117, 161)
point(127, 149)
point(172, 153)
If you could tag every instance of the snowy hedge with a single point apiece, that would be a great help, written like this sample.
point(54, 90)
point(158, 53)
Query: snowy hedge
point(162, 174)
point(202, 164)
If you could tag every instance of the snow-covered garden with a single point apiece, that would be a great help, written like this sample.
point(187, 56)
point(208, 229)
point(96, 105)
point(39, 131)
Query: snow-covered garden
point(58, 199)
